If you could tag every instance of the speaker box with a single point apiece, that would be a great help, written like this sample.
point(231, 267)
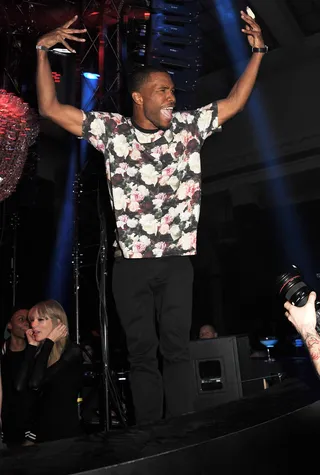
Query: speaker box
point(223, 371)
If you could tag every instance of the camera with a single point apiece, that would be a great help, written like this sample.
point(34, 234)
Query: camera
point(291, 287)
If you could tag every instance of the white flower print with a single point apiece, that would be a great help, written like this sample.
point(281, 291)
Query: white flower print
point(157, 252)
point(138, 246)
point(145, 240)
point(119, 199)
point(185, 241)
point(137, 255)
point(98, 144)
point(159, 200)
point(193, 187)
point(97, 128)
point(164, 180)
point(120, 171)
point(149, 224)
point(133, 206)
point(135, 154)
point(149, 174)
point(122, 221)
point(154, 183)
point(195, 163)
point(204, 120)
point(185, 216)
point(173, 212)
point(131, 171)
point(174, 183)
point(143, 190)
point(168, 218)
point(181, 207)
point(182, 137)
point(175, 232)
point(196, 212)
point(182, 191)
point(136, 196)
point(159, 249)
point(121, 146)
point(168, 171)
point(189, 119)
point(179, 116)
point(157, 203)
point(132, 223)
point(164, 229)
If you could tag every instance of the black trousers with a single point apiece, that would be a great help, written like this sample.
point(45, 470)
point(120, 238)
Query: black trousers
point(154, 302)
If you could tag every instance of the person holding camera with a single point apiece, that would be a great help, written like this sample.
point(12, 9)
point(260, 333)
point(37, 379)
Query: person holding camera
point(304, 320)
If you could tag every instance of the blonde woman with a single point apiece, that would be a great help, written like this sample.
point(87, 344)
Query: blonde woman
point(53, 368)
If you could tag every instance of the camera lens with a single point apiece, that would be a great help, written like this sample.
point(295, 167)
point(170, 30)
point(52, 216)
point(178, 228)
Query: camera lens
point(291, 287)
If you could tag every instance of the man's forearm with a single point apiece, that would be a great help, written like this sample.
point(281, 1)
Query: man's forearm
point(242, 89)
point(312, 342)
point(45, 85)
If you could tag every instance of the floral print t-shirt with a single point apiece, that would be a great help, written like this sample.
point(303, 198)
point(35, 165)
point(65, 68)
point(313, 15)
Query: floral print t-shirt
point(154, 179)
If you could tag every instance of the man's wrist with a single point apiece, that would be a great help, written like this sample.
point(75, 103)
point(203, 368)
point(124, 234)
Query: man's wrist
point(260, 49)
point(42, 48)
point(308, 331)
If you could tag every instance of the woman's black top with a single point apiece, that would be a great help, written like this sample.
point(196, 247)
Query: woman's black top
point(55, 413)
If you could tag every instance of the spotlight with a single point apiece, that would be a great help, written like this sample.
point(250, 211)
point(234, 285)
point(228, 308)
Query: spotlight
point(91, 75)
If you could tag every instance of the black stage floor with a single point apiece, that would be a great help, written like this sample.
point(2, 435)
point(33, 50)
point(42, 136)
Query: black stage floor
point(277, 431)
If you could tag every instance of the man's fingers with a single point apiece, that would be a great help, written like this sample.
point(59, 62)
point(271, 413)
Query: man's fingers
point(69, 22)
point(67, 46)
point(312, 297)
point(74, 38)
point(250, 22)
point(250, 32)
point(248, 19)
point(75, 31)
point(287, 305)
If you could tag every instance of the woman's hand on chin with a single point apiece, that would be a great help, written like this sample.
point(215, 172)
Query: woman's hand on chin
point(31, 339)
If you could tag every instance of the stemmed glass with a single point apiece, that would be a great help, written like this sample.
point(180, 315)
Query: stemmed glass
point(269, 342)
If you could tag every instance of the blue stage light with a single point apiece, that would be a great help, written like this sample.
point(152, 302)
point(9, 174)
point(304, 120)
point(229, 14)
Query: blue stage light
point(91, 75)
point(287, 225)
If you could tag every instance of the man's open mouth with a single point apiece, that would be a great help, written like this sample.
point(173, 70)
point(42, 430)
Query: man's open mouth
point(167, 112)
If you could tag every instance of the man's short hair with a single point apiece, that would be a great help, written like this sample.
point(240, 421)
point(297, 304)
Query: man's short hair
point(20, 306)
point(14, 309)
point(17, 307)
point(140, 75)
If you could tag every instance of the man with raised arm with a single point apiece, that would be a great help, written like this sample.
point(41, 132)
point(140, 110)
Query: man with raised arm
point(153, 169)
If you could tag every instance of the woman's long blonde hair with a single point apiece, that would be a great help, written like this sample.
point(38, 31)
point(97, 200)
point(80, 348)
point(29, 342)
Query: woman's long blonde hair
point(53, 310)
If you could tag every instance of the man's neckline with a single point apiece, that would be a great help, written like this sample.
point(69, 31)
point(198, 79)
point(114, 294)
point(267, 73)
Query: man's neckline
point(141, 129)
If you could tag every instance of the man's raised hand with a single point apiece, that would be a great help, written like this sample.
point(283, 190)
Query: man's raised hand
point(60, 34)
point(253, 31)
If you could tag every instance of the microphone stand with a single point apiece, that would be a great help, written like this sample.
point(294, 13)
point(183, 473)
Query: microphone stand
point(103, 316)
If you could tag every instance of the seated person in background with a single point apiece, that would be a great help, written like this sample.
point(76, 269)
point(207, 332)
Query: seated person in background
point(304, 320)
point(15, 405)
point(53, 367)
point(207, 331)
